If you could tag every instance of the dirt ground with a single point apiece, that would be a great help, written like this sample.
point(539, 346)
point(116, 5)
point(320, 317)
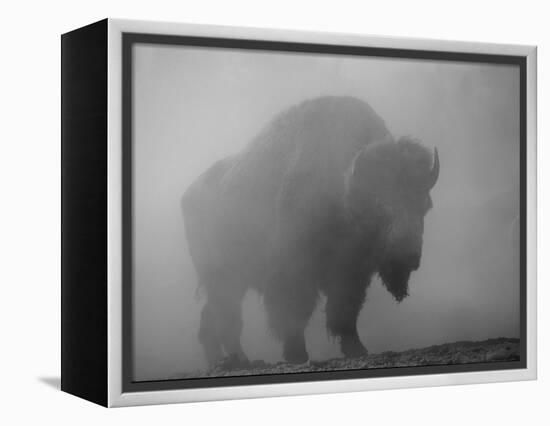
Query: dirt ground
point(491, 350)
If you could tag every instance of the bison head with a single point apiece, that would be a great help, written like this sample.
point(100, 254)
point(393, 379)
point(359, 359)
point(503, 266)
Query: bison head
point(387, 196)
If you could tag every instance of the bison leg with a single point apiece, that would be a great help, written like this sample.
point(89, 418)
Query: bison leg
point(290, 298)
point(344, 302)
point(209, 334)
point(221, 322)
point(305, 206)
point(232, 326)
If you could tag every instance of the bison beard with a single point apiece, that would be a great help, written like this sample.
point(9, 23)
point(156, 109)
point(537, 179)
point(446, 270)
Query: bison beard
point(396, 279)
point(320, 201)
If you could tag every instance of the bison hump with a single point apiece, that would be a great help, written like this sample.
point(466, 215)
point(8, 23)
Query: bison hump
point(324, 132)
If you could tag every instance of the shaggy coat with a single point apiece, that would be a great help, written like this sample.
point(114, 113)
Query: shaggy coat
point(319, 201)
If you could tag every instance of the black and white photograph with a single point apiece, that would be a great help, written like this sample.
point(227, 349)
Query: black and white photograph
point(304, 212)
point(275, 213)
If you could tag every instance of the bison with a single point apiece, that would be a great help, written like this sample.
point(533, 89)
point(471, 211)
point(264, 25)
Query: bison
point(322, 199)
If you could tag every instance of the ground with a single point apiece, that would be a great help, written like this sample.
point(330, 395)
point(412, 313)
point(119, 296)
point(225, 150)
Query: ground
point(465, 352)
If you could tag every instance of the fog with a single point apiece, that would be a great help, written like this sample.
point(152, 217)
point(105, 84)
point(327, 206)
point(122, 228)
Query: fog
point(193, 106)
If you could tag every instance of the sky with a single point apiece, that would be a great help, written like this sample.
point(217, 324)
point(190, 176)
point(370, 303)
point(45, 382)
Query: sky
point(195, 105)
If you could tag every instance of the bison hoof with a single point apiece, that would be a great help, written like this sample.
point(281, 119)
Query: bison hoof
point(353, 348)
point(295, 354)
point(234, 362)
point(298, 358)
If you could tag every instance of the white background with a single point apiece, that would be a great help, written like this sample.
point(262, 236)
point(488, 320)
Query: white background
point(29, 188)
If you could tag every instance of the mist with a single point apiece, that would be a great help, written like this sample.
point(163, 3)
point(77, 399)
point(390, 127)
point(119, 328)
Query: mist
point(194, 106)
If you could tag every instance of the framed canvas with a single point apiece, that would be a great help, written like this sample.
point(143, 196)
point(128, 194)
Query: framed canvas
point(253, 212)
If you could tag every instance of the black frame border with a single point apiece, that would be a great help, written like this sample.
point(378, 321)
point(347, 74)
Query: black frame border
point(131, 39)
point(84, 185)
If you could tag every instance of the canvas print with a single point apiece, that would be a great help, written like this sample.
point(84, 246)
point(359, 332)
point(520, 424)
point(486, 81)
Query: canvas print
point(306, 212)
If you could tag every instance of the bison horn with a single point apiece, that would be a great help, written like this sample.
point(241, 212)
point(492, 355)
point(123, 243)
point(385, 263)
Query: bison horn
point(434, 172)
